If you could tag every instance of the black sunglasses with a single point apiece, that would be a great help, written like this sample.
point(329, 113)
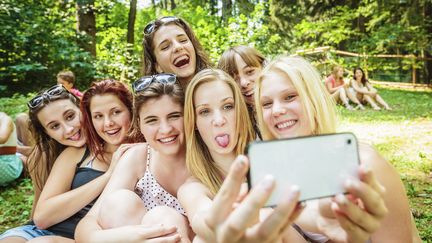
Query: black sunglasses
point(143, 82)
point(151, 27)
point(52, 92)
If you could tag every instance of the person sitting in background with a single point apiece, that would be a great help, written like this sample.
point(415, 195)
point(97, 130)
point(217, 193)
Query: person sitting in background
point(365, 91)
point(338, 89)
point(10, 164)
point(67, 79)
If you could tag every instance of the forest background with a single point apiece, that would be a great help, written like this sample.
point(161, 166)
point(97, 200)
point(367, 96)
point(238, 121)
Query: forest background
point(103, 39)
point(98, 39)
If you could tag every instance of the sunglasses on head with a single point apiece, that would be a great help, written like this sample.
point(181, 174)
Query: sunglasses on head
point(143, 82)
point(52, 92)
point(151, 27)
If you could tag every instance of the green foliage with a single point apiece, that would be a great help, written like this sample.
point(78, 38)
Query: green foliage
point(16, 203)
point(15, 104)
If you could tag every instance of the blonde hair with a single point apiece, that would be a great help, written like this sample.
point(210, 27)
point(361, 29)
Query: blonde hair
point(317, 104)
point(198, 159)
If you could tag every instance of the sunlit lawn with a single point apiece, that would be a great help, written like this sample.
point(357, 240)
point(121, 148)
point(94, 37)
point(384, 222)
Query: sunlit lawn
point(403, 136)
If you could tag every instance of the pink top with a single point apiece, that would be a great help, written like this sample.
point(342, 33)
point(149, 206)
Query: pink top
point(153, 194)
point(76, 92)
point(330, 79)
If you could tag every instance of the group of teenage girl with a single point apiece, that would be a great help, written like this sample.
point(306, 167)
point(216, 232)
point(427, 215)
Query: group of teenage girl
point(358, 90)
point(164, 163)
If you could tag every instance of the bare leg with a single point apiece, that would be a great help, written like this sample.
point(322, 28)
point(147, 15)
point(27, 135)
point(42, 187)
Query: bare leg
point(14, 239)
point(340, 95)
point(168, 216)
point(381, 101)
point(353, 97)
point(51, 239)
point(371, 102)
point(121, 208)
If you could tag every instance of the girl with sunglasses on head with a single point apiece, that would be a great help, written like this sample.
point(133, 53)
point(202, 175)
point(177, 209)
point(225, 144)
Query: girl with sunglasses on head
point(218, 128)
point(79, 174)
point(55, 124)
point(170, 46)
point(244, 64)
point(291, 102)
point(142, 192)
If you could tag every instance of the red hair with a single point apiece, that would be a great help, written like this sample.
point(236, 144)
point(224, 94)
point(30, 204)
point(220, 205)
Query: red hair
point(107, 86)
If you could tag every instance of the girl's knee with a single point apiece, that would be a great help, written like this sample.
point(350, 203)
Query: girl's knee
point(123, 207)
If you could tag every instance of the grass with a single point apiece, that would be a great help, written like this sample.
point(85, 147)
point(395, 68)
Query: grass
point(403, 136)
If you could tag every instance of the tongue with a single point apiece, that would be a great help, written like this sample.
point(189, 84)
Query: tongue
point(75, 137)
point(223, 140)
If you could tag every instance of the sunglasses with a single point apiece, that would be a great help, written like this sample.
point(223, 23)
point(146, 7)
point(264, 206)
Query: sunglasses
point(52, 92)
point(151, 27)
point(143, 82)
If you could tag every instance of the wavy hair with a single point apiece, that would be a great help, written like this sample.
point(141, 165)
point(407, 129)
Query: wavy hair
point(149, 57)
point(107, 86)
point(46, 149)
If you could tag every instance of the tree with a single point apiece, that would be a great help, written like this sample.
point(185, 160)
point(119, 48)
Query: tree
point(86, 25)
point(131, 22)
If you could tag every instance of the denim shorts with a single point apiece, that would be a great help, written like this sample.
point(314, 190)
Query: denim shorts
point(27, 232)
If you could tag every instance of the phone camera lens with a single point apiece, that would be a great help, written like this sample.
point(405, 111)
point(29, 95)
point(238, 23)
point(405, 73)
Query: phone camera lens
point(349, 141)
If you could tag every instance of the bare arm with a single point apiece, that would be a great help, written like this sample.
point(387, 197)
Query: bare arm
point(6, 127)
point(330, 89)
point(57, 202)
point(195, 199)
point(396, 226)
point(130, 168)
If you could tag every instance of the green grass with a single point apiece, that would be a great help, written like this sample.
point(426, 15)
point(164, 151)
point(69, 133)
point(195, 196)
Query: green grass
point(403, 136)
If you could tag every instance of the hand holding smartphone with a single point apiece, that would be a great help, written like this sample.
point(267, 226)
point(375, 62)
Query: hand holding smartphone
point(319, 165)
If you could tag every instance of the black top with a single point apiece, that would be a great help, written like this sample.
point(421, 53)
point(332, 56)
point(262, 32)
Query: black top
point(82, 176)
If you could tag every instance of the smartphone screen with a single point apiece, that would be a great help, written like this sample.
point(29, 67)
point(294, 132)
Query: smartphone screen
point(319, 165)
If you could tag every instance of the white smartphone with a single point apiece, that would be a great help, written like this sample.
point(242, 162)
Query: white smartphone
point(319, 165)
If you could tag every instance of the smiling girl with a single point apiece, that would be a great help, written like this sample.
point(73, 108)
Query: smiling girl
point(142, 193)
point(292, 102)
point(78, 175)
point(218, 129)
point(170, 46)
point(55, 124)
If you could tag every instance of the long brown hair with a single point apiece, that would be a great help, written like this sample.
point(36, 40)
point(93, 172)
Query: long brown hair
point(46, 149)
point(149, 68)
point(250, 56)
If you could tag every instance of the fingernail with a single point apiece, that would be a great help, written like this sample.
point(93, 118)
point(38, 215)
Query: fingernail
point(240, 164)
point(341, 199)
point(349, 183)
point(301, 205)
point(268, 182)
point(294, 191)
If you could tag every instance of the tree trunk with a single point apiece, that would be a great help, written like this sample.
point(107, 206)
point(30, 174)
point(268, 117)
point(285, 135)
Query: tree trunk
point(173, 5)
point(87, 24)
point(226, 10)
point(131, 22)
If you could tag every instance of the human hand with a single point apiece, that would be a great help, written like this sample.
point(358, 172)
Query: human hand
point(228, 224)
point(147, 234)
point(355, 216)
point(118, 154)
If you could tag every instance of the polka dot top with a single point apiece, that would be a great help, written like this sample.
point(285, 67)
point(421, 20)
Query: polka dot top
point(153, 194)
